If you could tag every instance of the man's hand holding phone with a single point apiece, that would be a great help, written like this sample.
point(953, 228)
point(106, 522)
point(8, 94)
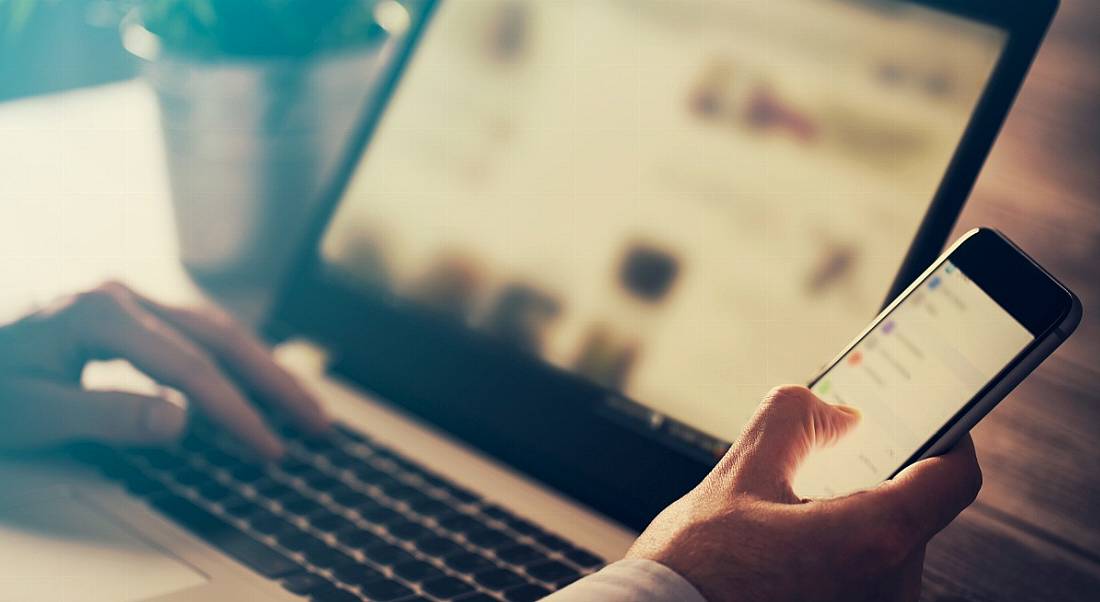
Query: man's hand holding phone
point(743, 535)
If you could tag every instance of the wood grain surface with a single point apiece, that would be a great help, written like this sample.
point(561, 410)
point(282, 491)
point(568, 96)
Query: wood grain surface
point(1034, 533)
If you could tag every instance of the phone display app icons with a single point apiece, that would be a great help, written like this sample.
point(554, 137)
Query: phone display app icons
point(909, 377)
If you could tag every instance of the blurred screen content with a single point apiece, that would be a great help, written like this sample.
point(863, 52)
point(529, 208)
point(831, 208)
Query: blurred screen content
point(686, 202)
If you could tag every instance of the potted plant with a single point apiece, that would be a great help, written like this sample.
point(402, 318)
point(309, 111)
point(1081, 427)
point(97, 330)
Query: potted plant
point(257, 99)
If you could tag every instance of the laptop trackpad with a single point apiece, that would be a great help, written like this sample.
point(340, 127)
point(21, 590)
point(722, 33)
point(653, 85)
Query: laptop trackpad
point(55, 546)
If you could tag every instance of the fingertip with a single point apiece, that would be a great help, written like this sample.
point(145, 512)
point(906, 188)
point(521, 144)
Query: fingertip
point(164, 421)
point(851, 412)
point(837, 421)
point(263, 444)
point(313, 418)
point(319, 426)
point(271, 450)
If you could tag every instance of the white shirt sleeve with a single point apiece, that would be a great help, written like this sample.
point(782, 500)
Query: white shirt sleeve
point(633, 580)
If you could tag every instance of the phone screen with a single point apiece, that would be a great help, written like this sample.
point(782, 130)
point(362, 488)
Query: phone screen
point(908, 377)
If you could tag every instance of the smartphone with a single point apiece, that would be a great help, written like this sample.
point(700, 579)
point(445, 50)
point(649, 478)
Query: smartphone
point(937, 360)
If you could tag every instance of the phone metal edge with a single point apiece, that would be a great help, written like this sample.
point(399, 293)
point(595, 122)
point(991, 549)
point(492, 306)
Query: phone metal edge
point(1022, 366)
point(904, 294)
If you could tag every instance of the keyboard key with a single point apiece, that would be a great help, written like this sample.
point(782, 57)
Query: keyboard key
point(468, 562)
point(463, 495)
point(352, 434)
point(339, 458)
point(416, 571)
point(246, 510)
point(190, 477)
point(331, 593)
point(297, 467)
point(247, 473)
point(273, 489)
point(328, 557)
point(303, 583)
point(369, 505)
point(367, 473)
point(566, 581)
point(332, 523)
point(583, 558)
point(552, 542)
point(521, 555)
point(405, 493)
point(386, 554)
point(446, 587)
point(462, 523)
point(357, 575)
point(219, 458)
point(322, 482)
point(438, 546)
point(299, 541)
point(316, 443)
point(431, 478)
point(526, 593)
point(496, 512)
point(478, 597)
point(431, 507)
point(384, 482)
point(359, 539)
point(214, 491)
point(380, 515)
point(346, 496)
point(302, 506)
point(385, 590)
point(491, 539)
point(499, 579)
point(260, 557)
point(551, 572)
point(523, 527)
point(272, 525)
point(409, 530)
point(235, 500)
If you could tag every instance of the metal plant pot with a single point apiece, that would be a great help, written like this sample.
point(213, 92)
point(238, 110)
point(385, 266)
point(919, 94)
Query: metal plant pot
point(249, 143)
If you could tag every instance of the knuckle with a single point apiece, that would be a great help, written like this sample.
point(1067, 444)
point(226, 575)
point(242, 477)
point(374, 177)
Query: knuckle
point(790, 397)
point(194, 366)
point(225, 325)
point(114, 288)
point(218, 317)
point(101, 304)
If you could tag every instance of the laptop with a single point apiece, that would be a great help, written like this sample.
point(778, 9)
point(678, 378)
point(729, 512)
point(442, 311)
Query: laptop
point(558, 267)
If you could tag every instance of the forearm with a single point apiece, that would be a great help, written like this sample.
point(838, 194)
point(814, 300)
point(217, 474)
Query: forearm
point(634, 580)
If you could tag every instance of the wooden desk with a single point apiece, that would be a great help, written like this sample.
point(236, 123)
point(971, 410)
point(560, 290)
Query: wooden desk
point(83, 197)
point(1034, 533)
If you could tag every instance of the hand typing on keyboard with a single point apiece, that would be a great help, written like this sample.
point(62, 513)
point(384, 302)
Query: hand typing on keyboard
point(201, 353)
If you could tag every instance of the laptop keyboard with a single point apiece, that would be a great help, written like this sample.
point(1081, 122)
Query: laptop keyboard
point(343, 518)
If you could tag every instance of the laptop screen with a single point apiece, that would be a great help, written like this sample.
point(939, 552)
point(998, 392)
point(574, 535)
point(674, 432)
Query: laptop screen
point(684, 202)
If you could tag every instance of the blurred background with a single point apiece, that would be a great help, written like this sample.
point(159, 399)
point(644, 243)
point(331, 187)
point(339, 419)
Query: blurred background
point(108, 119)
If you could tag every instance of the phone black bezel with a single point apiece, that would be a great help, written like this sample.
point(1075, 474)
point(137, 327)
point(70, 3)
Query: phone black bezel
point(1016, 283)
point(531, 415)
